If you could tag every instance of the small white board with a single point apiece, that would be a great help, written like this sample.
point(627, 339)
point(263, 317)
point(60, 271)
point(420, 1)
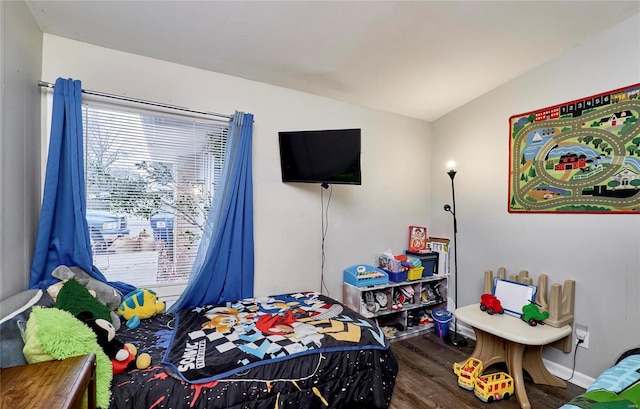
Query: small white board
point(513, 296)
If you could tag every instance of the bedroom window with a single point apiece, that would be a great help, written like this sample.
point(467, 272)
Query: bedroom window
point(150, 180)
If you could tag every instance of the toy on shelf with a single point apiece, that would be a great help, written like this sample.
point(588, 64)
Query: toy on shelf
point(396, 267)
point(491, 304)
point(468, 372)
point(495, 386)
point(532, 314)
point(363, 275)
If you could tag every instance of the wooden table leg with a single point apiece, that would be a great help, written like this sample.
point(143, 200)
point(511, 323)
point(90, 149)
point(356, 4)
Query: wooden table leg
point(514, 362)
point(532, 363)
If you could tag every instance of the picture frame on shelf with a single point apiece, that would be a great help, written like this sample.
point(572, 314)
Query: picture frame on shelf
point(418, 239)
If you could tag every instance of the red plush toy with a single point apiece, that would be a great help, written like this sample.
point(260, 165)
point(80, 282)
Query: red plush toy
point(141, 362)
point(123, 356)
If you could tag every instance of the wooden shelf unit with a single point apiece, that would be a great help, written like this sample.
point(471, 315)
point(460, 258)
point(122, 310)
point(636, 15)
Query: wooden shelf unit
point(352, 297)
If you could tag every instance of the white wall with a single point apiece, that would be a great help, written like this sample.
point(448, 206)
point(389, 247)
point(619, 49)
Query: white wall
point(600, 252)
point(363, 220)
point(20, 67)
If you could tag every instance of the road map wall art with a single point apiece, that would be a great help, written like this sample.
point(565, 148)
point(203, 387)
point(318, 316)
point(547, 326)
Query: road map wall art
point(582, 156)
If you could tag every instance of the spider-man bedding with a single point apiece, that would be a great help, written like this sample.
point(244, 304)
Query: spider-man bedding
point(301, 350)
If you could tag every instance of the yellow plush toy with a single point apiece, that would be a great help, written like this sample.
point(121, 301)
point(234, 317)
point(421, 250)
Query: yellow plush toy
point(138, 305)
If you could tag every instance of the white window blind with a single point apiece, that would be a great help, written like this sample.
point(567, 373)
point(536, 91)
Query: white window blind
point(150, 181)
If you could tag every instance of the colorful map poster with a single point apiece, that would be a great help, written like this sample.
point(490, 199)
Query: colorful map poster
point(582, 156)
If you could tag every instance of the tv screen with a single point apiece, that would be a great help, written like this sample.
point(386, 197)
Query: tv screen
point(327, 156)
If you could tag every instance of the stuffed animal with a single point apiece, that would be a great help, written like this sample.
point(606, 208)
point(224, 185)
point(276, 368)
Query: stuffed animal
point(107, 295)
point(123, 356)
point(103, 292)
point(142, 361)
point(138, 305)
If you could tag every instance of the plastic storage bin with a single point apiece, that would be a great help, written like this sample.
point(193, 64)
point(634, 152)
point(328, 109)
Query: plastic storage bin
point(441, 319)
point(397, 277)
point(415, 273)
point(429, 262)
point(389, 264)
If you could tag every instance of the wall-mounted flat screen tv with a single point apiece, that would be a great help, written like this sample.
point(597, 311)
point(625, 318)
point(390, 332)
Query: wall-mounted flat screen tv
point(329, 156)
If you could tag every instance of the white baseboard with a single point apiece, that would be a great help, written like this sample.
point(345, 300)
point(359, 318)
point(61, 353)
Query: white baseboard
point(563, 372)
point(555, 368)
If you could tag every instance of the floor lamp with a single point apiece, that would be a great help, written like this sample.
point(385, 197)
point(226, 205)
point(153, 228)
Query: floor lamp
point(454, 338)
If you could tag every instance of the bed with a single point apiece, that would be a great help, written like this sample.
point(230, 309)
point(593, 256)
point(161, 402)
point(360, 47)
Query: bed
point(616, 388)
point(300, 350)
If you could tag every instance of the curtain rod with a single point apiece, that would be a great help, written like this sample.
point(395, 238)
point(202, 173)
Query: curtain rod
point(139, 101)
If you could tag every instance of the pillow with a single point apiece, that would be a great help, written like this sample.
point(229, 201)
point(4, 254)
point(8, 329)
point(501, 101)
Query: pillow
point(16, 304)
point(75, 298)
point(14, 311)
point(627, 353)
point(52, 333)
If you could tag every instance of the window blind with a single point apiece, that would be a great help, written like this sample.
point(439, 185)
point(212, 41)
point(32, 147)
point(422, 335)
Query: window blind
point(150, 181)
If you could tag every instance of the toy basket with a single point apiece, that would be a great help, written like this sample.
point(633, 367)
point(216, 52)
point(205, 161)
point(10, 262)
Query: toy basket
point(397, 277)
point(415, 273)
point(442, 318)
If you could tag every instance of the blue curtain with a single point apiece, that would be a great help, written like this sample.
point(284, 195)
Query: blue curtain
point(63, 232)
point(223, 270)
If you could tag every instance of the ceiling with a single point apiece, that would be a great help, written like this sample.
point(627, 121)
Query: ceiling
point(420, 59)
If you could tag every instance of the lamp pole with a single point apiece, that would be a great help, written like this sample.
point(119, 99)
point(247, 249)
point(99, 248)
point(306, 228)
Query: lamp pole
point(454, 338)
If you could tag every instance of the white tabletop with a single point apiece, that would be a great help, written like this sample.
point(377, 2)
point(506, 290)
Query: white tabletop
point(509, 327)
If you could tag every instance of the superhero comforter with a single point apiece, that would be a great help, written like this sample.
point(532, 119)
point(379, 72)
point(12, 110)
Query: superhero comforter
point(300, 350)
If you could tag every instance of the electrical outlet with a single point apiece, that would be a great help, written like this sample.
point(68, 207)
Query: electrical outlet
point(582, 334)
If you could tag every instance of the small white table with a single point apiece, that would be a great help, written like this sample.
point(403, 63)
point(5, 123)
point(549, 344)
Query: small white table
point(505, 338)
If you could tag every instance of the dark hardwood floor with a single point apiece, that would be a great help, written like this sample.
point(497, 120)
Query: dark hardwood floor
point(426, 379)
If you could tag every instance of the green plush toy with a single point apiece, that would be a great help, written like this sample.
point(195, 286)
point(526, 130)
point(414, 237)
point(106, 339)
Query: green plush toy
point(75, 298)
point(105, 293)
point(52, 333)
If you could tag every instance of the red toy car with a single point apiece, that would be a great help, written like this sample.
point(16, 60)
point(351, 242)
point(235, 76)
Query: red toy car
point(490, 304)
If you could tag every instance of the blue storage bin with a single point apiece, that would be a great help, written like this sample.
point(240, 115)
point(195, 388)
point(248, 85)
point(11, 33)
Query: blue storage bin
point(430, 267)
point(397, 277)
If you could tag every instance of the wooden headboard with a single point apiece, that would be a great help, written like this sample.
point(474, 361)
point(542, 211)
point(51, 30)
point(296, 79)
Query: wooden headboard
point(560, 302)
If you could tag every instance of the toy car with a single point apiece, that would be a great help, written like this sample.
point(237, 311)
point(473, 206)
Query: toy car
point(532, 315)
point(490, 304)
point(468, 372)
